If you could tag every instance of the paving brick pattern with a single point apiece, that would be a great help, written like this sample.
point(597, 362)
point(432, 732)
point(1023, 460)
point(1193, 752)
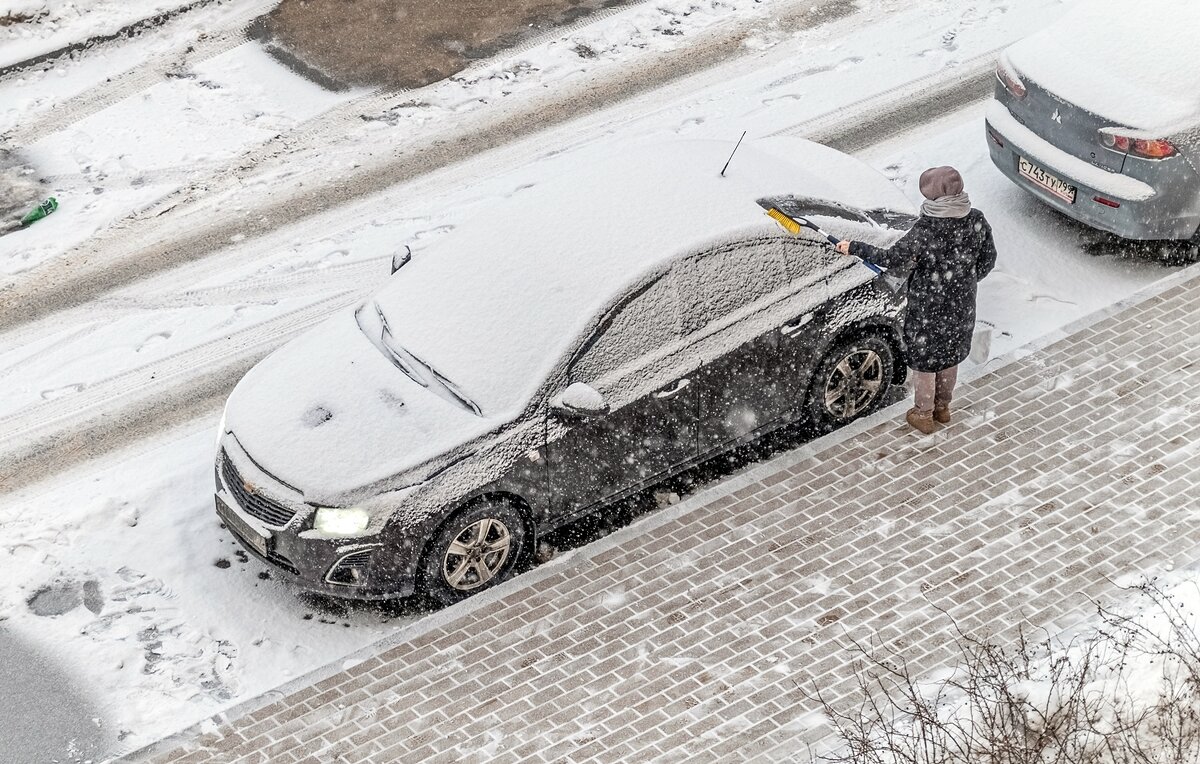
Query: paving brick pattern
point(696, 639)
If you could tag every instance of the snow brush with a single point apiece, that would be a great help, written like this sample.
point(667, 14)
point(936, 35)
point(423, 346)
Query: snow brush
point(793, 224)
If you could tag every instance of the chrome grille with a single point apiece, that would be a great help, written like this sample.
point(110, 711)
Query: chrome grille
point(254, 504)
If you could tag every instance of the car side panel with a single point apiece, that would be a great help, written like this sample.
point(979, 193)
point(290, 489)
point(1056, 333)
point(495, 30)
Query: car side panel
point(603, 457)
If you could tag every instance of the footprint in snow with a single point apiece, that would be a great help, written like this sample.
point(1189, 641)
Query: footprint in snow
point(689, 125)
point(62, 597)
point(332, 257)
point(61, 392)
point(153, 339)
point(438, 231)
point(1051, 298)
point(785, 97)
point(519, 189)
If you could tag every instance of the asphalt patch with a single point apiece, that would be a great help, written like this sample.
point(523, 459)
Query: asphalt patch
point(401, 44)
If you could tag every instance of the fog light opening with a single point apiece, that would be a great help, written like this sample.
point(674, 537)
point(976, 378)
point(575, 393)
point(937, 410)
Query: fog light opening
point(351, 569)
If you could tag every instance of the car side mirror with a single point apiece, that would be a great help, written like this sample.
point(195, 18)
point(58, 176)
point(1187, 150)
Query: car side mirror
point(579, 400)
point(401, 258)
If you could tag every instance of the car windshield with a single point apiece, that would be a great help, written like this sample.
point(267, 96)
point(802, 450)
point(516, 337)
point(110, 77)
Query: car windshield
point(374, 325)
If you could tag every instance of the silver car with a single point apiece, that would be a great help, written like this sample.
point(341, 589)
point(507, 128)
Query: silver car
point(1098, 115)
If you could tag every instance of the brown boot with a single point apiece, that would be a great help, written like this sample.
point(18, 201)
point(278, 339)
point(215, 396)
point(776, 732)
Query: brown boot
point(941, 413)
point(921, 421)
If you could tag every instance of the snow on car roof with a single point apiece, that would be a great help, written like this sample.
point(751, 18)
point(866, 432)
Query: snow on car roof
point(494, 305)
point(1135, 63)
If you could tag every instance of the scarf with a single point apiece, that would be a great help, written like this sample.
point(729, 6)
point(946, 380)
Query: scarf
point(956, 206)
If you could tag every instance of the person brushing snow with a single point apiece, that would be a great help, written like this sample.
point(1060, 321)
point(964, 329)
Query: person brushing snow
point(947, 252)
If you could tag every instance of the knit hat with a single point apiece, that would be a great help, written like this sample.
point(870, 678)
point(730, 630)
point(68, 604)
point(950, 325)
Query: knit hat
point(937, 182)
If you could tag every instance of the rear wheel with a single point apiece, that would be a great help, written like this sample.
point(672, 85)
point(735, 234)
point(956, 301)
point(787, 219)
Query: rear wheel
point(850, 382)
point(476, 549)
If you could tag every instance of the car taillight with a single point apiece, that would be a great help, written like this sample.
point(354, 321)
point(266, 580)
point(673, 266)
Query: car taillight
point(1154, 149)
point(1148, 148)
point(1009, 79)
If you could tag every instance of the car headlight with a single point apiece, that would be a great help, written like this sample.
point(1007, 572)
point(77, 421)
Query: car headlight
point(341, 521)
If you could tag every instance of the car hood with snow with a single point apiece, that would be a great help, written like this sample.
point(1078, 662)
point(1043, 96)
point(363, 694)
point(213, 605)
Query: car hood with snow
point(1135, 64)
point(482, 319)
point(329, 412)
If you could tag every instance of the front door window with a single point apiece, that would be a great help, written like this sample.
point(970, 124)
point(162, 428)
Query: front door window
point(651, 427)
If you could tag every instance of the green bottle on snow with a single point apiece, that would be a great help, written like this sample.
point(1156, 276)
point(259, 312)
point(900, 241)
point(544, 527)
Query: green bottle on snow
point(40, 211)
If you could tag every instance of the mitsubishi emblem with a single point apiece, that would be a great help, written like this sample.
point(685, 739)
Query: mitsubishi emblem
point(1056, 117)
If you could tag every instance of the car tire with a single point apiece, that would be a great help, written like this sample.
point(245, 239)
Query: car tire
point(474, 550)
point(850, 382)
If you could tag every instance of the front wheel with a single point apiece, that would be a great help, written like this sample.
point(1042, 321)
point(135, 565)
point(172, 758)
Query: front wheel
point(478, 548)
point(850, 382)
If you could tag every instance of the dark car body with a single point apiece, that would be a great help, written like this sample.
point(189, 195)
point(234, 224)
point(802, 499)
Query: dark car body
point(709, 347)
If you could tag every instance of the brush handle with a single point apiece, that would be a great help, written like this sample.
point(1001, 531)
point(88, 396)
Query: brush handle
point(833, 240)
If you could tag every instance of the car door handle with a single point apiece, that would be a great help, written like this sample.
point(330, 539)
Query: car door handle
point(679, 387)
point(791, 328)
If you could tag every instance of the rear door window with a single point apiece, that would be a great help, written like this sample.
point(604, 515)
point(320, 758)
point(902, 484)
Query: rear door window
point(646, 322)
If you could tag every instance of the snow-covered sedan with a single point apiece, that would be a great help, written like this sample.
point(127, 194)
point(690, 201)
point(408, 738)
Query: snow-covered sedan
point(617, 319)
point(1098, 115)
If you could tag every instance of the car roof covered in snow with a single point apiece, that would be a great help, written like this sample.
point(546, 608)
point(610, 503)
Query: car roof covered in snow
point(495, 304)
point(1135, 64)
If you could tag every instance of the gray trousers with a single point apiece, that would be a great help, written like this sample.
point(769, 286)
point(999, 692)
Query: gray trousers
point(934, 388)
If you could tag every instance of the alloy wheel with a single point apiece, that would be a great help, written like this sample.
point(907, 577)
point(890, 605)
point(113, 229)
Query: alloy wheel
point(476, 555)
point(854, 383)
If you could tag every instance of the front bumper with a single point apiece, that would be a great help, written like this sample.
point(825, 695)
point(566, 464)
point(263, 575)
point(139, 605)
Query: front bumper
point(1143, 214)
point(371, 567)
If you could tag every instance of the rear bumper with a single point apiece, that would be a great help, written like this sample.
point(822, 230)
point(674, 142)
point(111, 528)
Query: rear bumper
point(1143, 213)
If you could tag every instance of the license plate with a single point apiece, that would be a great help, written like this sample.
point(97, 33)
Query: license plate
point(259, 541)
point(1054, 185)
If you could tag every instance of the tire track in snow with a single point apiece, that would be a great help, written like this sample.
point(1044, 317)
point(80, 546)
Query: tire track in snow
point(110, 262)
point(886, 115)
point(44, 439)
point(129, 31)
point(137, 79)
point(195, 383)
point(86, 320)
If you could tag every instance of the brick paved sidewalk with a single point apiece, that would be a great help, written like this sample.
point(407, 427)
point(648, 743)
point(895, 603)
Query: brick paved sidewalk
point(688, 636)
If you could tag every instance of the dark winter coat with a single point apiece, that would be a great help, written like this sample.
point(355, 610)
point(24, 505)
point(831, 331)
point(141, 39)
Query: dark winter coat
point(946, 258)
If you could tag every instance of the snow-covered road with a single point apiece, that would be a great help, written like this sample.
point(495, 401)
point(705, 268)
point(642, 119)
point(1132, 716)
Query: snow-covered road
point(187, 625)
point(207, 319)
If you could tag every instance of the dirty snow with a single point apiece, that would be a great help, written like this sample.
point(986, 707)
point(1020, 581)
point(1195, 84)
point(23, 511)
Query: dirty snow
point(47, 26)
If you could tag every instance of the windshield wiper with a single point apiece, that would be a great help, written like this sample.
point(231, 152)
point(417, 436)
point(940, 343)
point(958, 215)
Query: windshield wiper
point(392, 353)
point(449, 386)
point(403, 360)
